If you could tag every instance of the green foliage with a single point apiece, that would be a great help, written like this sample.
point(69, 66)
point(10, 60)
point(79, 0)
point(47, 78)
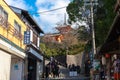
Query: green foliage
point(83, 33)
point(47, 50)
point(75, 49)
point(103, 20)
point(74, 10)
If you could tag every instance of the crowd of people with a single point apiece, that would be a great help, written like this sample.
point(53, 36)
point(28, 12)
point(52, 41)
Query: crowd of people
point(52, 69)
point(74, 68)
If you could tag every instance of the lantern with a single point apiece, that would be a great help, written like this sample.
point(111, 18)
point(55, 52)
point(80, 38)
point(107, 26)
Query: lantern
point(103, 60)
point(107, 55)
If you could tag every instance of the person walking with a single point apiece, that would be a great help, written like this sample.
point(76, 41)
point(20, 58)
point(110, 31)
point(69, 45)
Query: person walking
point(47, 71)
point(116, 66)
point(87, 68)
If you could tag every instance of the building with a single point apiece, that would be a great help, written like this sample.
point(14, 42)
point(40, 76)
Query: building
point(34, 60)
point(111, 48)
point(55, 38)
point(64, 29)
point(12, 48)
point(60, 36)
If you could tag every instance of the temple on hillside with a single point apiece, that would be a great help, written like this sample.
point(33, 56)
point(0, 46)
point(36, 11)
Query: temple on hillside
point(58, 37)
point(64, 29)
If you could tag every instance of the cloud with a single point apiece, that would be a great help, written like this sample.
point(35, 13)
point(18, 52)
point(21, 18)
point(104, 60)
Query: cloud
point(49, 20)
point(17, 3)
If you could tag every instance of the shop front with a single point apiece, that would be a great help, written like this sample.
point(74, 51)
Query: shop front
point(110, 50)
point(12, 61)
point(35, 64)
point(17, 68)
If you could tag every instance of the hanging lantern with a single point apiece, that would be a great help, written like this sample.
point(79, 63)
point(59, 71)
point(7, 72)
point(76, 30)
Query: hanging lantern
point(103, 60)
point(107, 55)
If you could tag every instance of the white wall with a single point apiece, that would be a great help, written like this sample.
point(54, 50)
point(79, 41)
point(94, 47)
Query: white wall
point(75, 59)
point(5, 60)
point(39, 69)
point(16, 69)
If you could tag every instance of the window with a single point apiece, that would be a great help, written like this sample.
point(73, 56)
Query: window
point(3, 17)
point(35, 39)
point(17, 27)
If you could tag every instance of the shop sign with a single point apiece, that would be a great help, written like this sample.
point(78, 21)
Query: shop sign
point(27, 37)
point(16, 67)
point(96, 64)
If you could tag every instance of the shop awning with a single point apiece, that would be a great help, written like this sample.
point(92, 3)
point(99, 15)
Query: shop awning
point(112, 42)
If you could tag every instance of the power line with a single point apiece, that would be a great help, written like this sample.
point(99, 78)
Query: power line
point(50, 10)
point(40, 12)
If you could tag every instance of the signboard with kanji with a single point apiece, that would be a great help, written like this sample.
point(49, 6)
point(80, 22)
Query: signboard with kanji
point(27, 37)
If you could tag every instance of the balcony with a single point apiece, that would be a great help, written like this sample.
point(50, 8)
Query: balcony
point(10, 29)
point(9, 32)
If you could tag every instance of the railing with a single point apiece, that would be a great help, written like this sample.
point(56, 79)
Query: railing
point(10, 29)
point(3, 22)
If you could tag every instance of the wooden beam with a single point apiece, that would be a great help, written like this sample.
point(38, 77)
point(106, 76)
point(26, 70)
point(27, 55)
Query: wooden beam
point(111, 46)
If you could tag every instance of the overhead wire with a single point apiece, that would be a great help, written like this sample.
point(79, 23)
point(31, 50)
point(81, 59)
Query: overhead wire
point(50, 10)
point(32, 13)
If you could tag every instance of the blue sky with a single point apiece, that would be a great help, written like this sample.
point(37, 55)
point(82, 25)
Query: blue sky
point(47, 21)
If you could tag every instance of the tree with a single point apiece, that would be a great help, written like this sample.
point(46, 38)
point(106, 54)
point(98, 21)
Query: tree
point(103, 18)
point(77, 13)
point(75, 10)
point(83, 33)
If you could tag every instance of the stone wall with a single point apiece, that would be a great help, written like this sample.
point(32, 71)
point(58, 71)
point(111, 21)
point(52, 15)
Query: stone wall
point(75, 59)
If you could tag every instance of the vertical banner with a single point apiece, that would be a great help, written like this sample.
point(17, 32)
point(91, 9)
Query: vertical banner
point(27, 37)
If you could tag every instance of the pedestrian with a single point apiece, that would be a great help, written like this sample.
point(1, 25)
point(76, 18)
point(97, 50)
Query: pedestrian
point(47, 71)
point(102, 73)
point(87, 68)
point(78, 69)
point(116, 66)
point(57, 71)
point(70, 66)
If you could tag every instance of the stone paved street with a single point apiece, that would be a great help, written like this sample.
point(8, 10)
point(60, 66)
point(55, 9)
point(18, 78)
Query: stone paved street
point(64, 75)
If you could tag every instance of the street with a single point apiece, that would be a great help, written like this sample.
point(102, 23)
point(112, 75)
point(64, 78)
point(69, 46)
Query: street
point(64, 75)
point(59, 39)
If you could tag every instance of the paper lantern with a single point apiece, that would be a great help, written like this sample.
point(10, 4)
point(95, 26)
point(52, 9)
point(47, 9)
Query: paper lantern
point(107, 55)
point(103, 60)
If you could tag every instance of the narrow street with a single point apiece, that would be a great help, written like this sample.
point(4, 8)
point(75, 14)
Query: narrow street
point(59, 39)
point(64, 75)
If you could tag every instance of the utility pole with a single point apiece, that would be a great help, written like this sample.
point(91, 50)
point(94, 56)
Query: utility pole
point(91, 3)
point(92, 26)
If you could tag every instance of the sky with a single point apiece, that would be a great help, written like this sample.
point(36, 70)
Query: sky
point(47, 21)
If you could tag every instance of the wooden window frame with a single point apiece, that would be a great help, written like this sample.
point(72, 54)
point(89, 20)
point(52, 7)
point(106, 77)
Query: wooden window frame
point(17, 30)
point(3, 17)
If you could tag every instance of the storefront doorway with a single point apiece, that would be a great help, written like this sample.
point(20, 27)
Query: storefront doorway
point(17, 67)
point(32, 68)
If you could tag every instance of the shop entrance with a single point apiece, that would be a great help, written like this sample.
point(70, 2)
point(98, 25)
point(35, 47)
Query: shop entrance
point(32, 69)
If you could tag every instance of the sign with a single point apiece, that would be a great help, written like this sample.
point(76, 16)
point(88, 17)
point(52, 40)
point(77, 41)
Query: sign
point(27, 37)
point(96, 64)
point(16, 67)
